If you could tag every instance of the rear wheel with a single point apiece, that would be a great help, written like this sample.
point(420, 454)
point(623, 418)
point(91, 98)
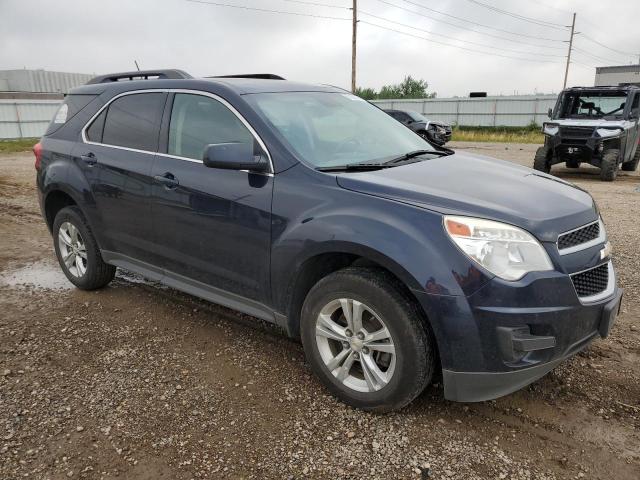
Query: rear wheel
point(632, 164)
point(78, 252)
point(541, 161)
point(609, 165)
point(366, 340)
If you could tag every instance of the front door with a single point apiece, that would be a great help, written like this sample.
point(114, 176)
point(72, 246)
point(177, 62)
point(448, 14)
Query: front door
point(211, 225)
point(116, 160)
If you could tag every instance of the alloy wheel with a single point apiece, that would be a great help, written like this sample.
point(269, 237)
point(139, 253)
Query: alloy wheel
point(73, 250)
point(355, 345)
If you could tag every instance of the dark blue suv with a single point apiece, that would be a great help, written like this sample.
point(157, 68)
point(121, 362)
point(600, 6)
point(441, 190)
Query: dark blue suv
point(308, 207)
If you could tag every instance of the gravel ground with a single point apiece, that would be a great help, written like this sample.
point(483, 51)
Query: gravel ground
point(140, 381)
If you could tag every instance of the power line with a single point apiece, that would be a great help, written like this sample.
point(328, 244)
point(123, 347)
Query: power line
point(316, 4)
point(535, 21)
point(362, 12)
point(456, 46)
point(626, 54)
point(473, 23)
point(594, 56)
point(267, 10)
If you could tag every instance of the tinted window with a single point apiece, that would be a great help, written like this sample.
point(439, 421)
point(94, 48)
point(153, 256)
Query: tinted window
point(198, 121)
point(94, 132)
point(133, 121)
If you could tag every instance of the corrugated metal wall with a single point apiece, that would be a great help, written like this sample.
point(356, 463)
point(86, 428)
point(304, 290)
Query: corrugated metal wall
point(516, 111)
point(41, 81)
point(29, 118)
point(25, 118)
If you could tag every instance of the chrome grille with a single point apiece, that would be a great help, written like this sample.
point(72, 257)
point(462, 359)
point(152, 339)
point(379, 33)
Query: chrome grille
point(581, 235)
point(591, 282)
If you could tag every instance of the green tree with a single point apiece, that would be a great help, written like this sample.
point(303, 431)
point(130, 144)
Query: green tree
point(408, 88)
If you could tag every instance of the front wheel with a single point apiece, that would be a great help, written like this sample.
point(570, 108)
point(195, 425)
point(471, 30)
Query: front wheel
point(366, 340)
point(609, 165)
point(541, 162)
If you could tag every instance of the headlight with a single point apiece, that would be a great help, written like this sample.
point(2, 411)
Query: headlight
point(506, 251)
point(550, 129)
point(608, 132)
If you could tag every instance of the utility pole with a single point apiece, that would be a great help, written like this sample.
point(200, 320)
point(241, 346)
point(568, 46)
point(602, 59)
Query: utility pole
point(566, 71)
point(354, 35)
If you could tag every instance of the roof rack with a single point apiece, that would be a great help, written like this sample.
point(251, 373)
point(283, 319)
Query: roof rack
point(264, 76)
point(140, 75)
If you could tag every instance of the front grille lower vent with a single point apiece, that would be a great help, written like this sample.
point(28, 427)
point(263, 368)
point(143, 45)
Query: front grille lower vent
point(591, 282)
point(579, 236)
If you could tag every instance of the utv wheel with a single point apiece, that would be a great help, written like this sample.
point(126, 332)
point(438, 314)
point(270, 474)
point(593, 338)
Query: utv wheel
point(78, 252)
point(572, 164)
point(366, 341)
point(609, 165)
point(541, 162)
point(631, 165)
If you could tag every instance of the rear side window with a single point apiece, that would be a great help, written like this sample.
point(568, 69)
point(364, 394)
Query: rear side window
point(94, 132)
point(133, 121)
point(71, 105)
point(198, 121)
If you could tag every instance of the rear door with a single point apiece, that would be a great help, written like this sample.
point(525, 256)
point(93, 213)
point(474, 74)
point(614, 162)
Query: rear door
point(210, 225)
point(116, 158)
point(634, 131)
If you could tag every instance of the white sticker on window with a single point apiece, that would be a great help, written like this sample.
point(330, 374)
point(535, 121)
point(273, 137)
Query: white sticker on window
point(61, 115)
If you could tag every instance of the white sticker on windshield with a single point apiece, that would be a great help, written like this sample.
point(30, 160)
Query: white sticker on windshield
point(350, 96)
point(61, 115)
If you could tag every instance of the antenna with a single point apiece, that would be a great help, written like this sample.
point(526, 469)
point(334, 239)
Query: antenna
point(136, 62)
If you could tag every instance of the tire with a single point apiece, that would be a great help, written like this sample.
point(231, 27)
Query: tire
point(572, 164)
point(408, 369)
point(609, 165)
point(541, 162)
point(632, 164)
point(87, 272)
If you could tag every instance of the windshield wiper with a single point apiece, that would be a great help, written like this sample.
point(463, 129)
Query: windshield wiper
point(417, 153)
point(354, 167)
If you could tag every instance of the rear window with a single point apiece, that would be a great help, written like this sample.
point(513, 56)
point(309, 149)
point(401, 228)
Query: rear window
point(71, 105)
point(133, 121)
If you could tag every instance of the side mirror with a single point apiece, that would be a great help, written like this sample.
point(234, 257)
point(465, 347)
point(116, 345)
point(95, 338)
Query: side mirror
point(234, 156)
point(550, 112)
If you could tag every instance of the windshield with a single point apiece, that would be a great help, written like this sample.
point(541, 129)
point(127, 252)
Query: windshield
point(592, 104)
point(333, 129)
point(417, 117)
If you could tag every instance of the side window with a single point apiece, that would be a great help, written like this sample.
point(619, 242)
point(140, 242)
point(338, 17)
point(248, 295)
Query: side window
point(636, 101)
point(133, 121)
point(198, 121)
point(94, 132)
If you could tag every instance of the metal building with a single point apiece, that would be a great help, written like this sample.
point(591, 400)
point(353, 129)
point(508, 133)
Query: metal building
point(618, 75)
point(41, 81)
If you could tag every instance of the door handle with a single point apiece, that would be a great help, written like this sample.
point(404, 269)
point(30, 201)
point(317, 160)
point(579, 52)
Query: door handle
point(90, 159)
point(167, 179)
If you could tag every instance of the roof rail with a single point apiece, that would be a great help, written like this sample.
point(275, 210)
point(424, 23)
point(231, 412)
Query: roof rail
point(140, 75)
point(264, 76)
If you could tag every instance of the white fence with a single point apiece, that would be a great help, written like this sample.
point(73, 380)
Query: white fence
point(25, 118)
point(512, 111)
point(29, 118)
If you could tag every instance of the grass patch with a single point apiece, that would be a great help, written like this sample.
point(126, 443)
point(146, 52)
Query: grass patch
point(19, 145)
point(529, 134)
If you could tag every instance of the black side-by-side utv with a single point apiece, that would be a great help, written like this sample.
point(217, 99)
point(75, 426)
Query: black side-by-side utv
point(595, 125)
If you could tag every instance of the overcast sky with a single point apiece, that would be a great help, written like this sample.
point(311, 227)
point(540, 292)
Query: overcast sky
point(98, 36)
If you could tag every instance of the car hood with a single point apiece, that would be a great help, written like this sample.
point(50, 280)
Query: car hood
point(466, 184)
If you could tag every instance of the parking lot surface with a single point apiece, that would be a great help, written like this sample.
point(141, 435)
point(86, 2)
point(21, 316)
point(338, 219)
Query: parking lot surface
point(139, 381)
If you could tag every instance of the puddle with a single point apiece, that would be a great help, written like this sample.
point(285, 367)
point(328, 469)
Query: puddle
point(39, 276)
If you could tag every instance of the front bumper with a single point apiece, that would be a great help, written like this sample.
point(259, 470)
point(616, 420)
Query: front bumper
point(481, 386)
point(509, 334)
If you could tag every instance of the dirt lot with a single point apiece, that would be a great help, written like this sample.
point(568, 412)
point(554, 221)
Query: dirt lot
point(139, 381)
